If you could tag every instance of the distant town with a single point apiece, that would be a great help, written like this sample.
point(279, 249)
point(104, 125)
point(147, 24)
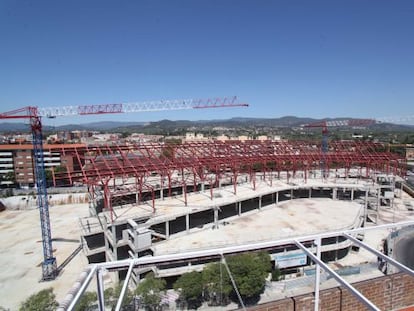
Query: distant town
point(16, 164)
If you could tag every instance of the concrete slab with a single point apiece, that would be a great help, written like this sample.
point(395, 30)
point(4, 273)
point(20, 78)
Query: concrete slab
point(22, 254)
point(289, 218)
point(21, 247)
point(171, 207)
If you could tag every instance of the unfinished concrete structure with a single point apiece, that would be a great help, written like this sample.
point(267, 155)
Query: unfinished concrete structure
point(142, 196)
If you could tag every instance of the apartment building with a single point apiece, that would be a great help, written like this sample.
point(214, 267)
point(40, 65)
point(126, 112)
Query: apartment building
point(6, 167)
point(17, 165)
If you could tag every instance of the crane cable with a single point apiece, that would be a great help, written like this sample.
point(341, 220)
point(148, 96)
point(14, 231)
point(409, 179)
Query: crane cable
point(233, 282)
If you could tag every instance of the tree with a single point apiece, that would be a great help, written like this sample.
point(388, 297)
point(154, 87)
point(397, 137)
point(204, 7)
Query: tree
point(217, 284)
point(87, 302)
point(264, 260)
point(44, 300)
point(150, 290)
point(249, 272)
point(276, 274)
point(112, 294)
point(48, 176)
point(10, 176)
point(190, 286)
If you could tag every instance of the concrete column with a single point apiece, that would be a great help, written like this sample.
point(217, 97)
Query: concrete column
point(92, 208)
point(310, 192)
point(260, 203)
point(216, 217)
point(240, 211)
point(115, 247)
point(334, 193)
point(202, 186)
point(277, 198)
point(336, 249)
point(107, 249)
point(167, 229)
point(352, 194)
point(378, 198)
point(162, 188)
point(365, 205)
point(187, 222)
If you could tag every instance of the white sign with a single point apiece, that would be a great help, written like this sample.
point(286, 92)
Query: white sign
point(289, 260)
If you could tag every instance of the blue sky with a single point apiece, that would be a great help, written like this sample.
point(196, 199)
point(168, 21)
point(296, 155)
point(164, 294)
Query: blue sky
point(352, 58)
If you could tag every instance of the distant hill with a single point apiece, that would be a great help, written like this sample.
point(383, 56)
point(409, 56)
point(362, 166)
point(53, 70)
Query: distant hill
point(94, 126)
point(287, 121)
point(283, 122)
point(98, 126)
point(14, 127)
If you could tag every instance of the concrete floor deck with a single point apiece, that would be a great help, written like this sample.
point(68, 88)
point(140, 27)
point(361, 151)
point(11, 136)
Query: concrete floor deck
point(171, 207)
point(289, 218)
point(21, 252)
point(21, 249)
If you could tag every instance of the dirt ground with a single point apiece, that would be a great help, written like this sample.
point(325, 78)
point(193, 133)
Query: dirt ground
point(22, 254)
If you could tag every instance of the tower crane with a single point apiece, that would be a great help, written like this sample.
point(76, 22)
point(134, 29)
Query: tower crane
point(325, 132)
point(325, 124)
point(35, 114)
point(337, 123)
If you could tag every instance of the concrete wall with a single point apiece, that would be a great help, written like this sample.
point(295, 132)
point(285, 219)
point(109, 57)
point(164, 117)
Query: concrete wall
point(390, 292)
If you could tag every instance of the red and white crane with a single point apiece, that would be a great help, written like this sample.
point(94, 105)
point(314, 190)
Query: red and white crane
point(337, 123)
point(34, 115)
point(325, 124)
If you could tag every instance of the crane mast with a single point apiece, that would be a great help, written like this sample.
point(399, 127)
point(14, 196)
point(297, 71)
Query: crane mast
point(34, 114)
point(325, 132)
point(49, 265)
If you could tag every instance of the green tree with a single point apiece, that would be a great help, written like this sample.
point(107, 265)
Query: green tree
point(217, 284)
point(10, 176)
point(150, 290)
point(264, 259)
point(276, 275)
point(190, 286)
point(87, 302)
point(44, 300)
point(249, 273)
point(48, 175)
point(112, 294)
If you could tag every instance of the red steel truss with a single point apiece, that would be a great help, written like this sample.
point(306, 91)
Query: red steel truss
point(149, 167)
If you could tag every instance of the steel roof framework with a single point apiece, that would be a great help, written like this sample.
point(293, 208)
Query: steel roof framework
point(132, 168)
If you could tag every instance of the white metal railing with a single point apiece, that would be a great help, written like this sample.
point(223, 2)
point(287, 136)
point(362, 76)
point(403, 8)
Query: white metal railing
point(80, 286)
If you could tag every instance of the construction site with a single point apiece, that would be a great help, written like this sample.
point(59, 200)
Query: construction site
point(154, 200)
